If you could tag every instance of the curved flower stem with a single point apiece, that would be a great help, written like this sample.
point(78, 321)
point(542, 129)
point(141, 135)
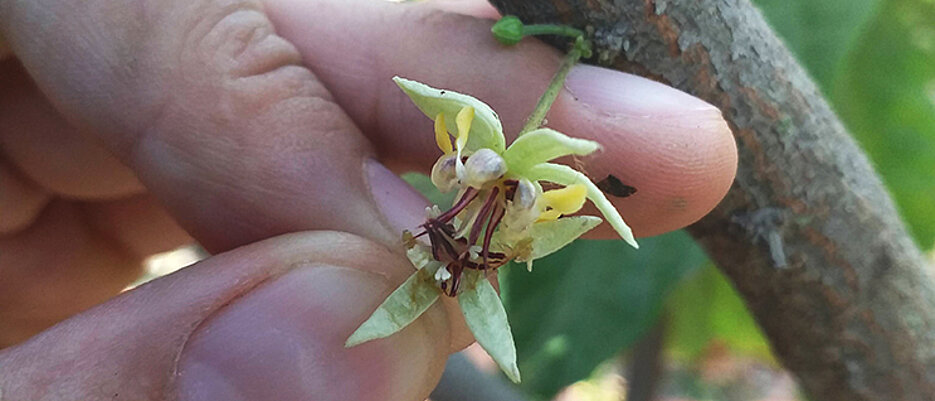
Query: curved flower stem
point(549, 29)
point(547, 98)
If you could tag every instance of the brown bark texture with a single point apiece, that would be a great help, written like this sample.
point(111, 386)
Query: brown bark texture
point(807, 234)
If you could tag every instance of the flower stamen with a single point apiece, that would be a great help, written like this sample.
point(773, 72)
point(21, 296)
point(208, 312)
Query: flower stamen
point(466, 198)
point(494, 221)
point(482, 216)
point(454, 241)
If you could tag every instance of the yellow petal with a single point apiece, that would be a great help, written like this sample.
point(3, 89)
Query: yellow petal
point(567, 200)
point(549, 215)
point(562, 174)
point(441, 134)
point(463, 120)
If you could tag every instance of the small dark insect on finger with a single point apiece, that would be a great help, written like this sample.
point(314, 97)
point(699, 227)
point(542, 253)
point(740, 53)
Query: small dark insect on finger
point(612, 186)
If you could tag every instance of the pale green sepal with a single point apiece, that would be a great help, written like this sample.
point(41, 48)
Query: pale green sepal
point(550, 236)
point(486, 318)
point(486, 130)
point(542, 145)
point(402, 307)
point(564, 175)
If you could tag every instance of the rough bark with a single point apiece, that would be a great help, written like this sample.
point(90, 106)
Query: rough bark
point(807, 234)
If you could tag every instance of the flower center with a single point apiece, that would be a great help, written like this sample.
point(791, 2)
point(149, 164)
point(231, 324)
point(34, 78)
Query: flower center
point(461, 237)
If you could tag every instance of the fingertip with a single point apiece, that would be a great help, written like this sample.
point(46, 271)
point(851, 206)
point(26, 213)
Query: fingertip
point(674, 150)
point(474, 8)
point(285, 340)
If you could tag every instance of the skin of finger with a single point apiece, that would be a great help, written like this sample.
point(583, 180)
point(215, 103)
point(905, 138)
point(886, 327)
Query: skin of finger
point(692, 167)
point(110, 238)
point(138, 224)
point(474, 8)
point(54, 160)
point(56, 268)
point(74, 256)
point(4, 49)
point(20, 200)
point(50, 151)
point(233, 136)
point(250, 145)
point(79, 254)
point(134, 337)
point(682, 161)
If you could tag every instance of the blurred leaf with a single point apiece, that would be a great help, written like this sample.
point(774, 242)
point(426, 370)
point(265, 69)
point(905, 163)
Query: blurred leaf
point(585, 303)
point(876, 59)
point(886, 95)
point(820, 33)
point(706, 308)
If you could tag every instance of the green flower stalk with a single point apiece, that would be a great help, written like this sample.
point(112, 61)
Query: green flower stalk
point(509, 30)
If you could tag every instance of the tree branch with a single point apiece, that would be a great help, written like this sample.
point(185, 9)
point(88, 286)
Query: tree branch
point(646, 368)
point(808, 234)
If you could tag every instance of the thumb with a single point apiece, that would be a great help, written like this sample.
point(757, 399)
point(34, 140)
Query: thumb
point(262, 322)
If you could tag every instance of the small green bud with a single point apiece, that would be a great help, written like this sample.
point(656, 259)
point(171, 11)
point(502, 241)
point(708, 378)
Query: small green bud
point(584, 46)
point(508, 30)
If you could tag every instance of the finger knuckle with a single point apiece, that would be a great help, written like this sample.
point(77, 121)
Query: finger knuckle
point(233, 76)
point(236, 41)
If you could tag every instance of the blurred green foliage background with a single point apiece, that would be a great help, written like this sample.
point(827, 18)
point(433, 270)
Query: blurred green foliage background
point(875, 62)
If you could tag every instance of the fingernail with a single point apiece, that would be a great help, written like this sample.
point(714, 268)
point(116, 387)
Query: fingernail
point(614, 92)
point(402, 205)
point(285, 341)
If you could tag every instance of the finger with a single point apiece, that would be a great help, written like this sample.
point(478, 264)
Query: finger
point(49, 151)
point(474, 8)
point(236, 138)
point(61, 261)
point(55, 268)
point(263, 322)
point(4, 49)
point(217, 119)
point(20, 200)
point(139, 225)
point(64, 260)
point(73, 255)
point(676, 150)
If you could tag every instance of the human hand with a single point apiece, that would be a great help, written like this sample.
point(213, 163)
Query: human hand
point(200, 111)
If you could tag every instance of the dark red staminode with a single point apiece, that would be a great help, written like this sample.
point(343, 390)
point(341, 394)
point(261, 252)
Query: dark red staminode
point(455, 252)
